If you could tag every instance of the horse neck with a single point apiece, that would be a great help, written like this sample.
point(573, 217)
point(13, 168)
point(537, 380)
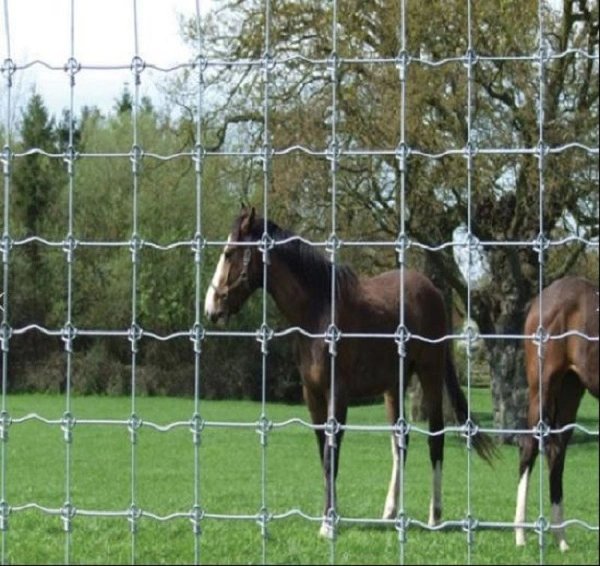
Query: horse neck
point(295, 300)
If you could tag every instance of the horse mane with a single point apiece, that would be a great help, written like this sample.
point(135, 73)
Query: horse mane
point(307, 264)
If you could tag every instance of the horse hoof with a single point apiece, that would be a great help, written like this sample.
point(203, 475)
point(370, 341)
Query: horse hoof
point(563, 546)
point(327, 531)
point(520, 538)
point(435, 515)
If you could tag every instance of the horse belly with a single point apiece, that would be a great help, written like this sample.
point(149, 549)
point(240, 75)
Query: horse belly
point(374, 371)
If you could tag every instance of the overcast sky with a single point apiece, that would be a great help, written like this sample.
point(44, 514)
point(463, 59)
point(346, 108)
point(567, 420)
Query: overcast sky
point(103, 35)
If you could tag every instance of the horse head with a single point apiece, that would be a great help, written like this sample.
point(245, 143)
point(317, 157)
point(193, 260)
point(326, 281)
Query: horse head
point(238, 273)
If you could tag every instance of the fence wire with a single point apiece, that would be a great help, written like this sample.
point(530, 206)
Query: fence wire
point(197, 155)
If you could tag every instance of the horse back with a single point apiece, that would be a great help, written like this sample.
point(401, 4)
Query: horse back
point(424, 311)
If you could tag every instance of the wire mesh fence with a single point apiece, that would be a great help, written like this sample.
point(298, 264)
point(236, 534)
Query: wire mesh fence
point(268, 65)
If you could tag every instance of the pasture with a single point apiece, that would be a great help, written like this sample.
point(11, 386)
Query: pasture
point(230, 483)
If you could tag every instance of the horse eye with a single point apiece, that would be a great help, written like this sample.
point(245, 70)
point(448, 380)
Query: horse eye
point(227, 254)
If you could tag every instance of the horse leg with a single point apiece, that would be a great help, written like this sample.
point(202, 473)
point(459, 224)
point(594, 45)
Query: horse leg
point(570, 397)
point(528, 452)
point(432, 384)
point(317, 407)
point(392, 406)
point(529, 448)
point(331, 461)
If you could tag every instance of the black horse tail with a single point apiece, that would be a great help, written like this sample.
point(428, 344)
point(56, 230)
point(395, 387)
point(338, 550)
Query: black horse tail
point(483, 443)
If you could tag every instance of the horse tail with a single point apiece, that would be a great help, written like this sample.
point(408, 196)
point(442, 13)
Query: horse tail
point(483, 443)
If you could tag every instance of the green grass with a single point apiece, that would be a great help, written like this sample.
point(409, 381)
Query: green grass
point(34, 464)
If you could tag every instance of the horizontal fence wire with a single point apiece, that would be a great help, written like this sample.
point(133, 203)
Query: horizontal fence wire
point(70, 423)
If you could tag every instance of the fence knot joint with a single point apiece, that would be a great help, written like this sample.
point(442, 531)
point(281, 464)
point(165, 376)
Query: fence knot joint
point(262, 518)
point(263, 335)
point(402, 62)
point(401, 523)
point(67, 512)
point(401, 337)
point(471, 58)
point(196, 516)
point(267, 243)
point(134, 515)
point(134, 424)
point(401, 430)
point(333, 243)
point(137, 67)
point(8, 69)
point(197, 424)
point(5, 511)
point(263, 426)
point(470, 429)
point(72, 66)
point(5, 335)
point(134, 335)
point(7, 155)
point(332, 428)
point(198, 155)
point(67, 423)
point(5, 422)
point(197, 335)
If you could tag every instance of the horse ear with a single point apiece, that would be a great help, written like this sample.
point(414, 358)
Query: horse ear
point(248, 221)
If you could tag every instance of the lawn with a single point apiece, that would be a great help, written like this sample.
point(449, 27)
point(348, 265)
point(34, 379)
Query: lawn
point(236, 476)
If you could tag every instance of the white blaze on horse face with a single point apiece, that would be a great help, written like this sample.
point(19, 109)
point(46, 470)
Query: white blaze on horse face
point(210, 301)
point(521, 507)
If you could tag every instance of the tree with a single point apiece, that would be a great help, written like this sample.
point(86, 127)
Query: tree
point(502, 113)
point(37, 177)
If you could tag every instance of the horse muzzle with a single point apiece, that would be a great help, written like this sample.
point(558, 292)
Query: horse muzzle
point(220, 318)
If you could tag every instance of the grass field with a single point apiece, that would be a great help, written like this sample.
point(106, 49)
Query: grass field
point(231, 459)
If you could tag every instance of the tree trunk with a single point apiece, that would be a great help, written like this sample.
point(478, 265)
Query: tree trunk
point(509, 387)
point(505, 355)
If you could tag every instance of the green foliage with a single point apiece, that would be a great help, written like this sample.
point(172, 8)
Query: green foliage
point(36, 177)
point(109, 207)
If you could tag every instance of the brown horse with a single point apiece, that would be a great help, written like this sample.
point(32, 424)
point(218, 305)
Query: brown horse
point(569, 366)
point(300, 282)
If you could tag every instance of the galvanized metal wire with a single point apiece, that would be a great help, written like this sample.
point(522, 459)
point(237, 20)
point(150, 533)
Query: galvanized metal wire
point(197, 154)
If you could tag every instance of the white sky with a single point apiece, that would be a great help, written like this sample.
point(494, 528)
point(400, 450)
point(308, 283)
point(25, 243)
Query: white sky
point(103, 35)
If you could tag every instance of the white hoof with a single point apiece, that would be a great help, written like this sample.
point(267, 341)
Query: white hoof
point(327, 531)
point(434, 515)
point(520, 537)
point(563, 545)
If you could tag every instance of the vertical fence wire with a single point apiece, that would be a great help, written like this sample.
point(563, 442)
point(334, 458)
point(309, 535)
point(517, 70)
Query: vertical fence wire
point(67, 511)
point(541, 239)
point(8, 69)
point(265, 334)
point(400, 442)
point(134, 334)
point(197, 333)
point(470, 60)
point(137, 66)
point(333, 334)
